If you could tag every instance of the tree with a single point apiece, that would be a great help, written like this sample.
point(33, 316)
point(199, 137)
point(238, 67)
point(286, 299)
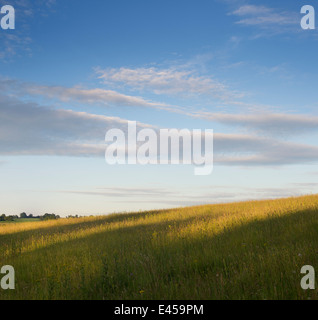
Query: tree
point(50, 216)
point(23, 215)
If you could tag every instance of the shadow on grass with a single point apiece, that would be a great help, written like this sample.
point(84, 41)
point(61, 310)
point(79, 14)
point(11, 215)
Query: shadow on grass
point(248, 261)
point(77, 224)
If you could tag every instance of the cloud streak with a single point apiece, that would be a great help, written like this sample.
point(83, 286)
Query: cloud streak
point(95, 96)
point(30, 129)
point(265, 123)
point(205, 195)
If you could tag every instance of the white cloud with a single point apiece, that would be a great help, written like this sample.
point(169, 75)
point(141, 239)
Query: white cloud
point(271, 19)
point(27, 128)
point(172, 80)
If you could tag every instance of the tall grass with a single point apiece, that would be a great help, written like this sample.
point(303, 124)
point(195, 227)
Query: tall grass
point(247, 250)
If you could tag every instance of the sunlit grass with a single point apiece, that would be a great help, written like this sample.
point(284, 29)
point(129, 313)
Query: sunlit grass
point(247, 250)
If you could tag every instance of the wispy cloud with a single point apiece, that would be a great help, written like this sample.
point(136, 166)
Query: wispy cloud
point(259, 15)
point(187, 196)
point(236, 149)
point(252, 10)
point(125, 192)
point(171, 81)
point(95, 96)
point(269, 123)
point(266, 21)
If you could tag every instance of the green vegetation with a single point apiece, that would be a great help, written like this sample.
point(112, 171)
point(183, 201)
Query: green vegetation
point(248, 250)
point(27, 218)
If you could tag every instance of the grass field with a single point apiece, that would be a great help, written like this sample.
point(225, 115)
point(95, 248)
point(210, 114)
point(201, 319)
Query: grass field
point(248, 250)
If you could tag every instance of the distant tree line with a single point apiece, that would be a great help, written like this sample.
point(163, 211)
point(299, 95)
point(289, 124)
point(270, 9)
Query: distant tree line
point(3, 217)
point(23, 215)
point(49, 216)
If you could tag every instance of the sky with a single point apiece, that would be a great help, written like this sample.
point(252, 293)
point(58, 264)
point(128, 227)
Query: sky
point(71, 70)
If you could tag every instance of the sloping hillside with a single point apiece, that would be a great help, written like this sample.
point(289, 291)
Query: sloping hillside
point(248, 250)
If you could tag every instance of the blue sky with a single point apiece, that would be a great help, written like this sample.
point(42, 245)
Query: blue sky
point(71, 70)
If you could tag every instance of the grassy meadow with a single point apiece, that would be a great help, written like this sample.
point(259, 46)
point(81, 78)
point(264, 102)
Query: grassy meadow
point(246, 250)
